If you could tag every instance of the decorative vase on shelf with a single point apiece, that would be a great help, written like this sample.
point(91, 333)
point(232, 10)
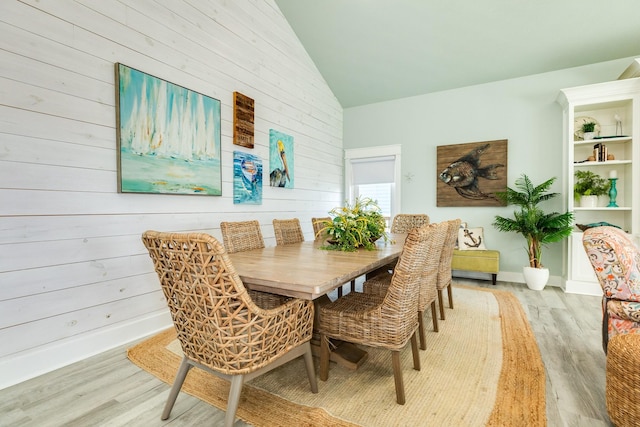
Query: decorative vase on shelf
point(588, 135)
point(613, 192)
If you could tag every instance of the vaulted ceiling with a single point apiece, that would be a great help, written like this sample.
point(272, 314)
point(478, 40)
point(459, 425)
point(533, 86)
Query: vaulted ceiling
point(376, 50)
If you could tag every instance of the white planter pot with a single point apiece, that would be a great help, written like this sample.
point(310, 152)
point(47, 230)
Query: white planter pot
point(535, 278)
point(588, 201)
point(588, 135)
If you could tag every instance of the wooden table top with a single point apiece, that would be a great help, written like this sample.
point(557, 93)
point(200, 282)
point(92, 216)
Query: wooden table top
point(303, 270)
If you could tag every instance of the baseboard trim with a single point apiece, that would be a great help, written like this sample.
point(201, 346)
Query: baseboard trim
point(29, 364)
point(504, 276)
point(583, 288)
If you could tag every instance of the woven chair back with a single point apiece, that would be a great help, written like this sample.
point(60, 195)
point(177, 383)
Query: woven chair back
point(615, 260)
point(318, 225)
point(400, 306)
point(444, 269)
point(403, 223)
point(241, 236)
point(287, 231)
point(429, 281)
point(217, 322)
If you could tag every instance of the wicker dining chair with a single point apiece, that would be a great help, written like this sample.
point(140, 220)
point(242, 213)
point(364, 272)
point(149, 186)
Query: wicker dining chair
point(403, 223)
point(622, 396)
point(220, 327)
point(287, 231)
point(379, 284)
point(388, 321)
point(444, 270)
point(241, 236)
point(318, 225)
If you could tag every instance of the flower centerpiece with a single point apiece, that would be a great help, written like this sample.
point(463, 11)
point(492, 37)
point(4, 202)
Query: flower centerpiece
point(354, 226)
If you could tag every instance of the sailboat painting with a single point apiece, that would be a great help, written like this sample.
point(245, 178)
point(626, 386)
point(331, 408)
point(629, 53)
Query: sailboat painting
point(247, 178)
point(168, 137)
point(280, 159)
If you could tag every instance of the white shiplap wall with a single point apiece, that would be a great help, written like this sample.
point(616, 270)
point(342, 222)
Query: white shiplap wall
point(75, 278)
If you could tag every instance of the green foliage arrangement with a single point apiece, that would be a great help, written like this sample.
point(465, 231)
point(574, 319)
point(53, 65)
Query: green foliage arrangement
point(537, 227)
point(355, 226)
point(588, 127)
point(588, 183)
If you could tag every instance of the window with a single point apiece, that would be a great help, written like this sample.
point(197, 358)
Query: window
point(374, 172)
point(378, 192)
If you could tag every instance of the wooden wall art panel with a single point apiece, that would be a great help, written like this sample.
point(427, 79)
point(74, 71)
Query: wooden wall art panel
point(243, 119)
point(469, 174)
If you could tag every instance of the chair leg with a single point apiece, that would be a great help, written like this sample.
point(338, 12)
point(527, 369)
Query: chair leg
point(441, 304)
point(416, 353)
point(234, 400)
point(605, 329)
point(434, 316)
point(175, 389)
point(397, 376)
point(423, 338)
point(311, 370)
point(340, 291)
point(324, 357)
point(353, 286)
point(450, 295)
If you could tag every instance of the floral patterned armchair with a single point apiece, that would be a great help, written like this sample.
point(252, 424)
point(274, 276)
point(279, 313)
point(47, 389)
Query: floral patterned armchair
point(616, 262)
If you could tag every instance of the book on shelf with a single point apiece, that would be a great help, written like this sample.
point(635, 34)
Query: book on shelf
point(600, 152)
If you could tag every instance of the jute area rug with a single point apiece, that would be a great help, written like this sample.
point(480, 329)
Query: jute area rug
point(482, 369)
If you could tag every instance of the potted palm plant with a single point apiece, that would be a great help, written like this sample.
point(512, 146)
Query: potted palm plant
point(536, 226)
point(353, 226)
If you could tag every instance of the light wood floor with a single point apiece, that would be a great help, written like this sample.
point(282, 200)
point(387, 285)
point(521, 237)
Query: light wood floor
point(108, 390)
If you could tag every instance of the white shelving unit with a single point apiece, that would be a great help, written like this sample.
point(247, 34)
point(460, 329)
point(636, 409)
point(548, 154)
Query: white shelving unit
point(632, 70)
point(615, 106)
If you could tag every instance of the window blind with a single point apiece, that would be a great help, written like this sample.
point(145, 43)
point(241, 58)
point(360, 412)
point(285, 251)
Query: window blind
point(373, 170)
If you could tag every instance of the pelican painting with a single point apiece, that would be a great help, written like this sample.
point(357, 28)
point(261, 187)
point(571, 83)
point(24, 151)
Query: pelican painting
point(280, 159)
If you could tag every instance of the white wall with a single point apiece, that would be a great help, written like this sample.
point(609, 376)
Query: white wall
point(75, 278)
point(521, 110)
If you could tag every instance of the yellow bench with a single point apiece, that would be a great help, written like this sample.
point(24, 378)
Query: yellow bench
point(484, 261)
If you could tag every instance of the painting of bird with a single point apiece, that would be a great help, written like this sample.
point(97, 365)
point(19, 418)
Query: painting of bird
point(280, 159)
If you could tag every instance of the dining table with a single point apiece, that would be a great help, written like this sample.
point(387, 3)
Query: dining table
point(309, 270)
point(306, 270)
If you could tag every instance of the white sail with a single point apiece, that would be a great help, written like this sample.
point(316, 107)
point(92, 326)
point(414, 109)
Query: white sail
point(200, 137)
point(158, 136)
point(145, 112)
point(186, 130)
point(141, 142)
point(173, 130)
point(131, 129)
point(212, 149)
